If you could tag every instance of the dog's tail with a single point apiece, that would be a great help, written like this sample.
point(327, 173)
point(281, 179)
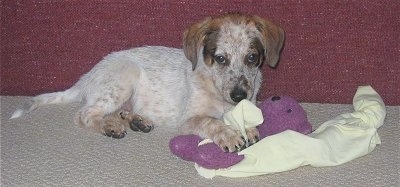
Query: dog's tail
point(68, 96)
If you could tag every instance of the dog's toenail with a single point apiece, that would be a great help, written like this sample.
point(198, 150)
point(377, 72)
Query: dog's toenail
point(226, 149)
point(239, 147)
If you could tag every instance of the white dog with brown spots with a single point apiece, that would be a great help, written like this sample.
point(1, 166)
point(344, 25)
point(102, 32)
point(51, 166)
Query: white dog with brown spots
point(190, 88)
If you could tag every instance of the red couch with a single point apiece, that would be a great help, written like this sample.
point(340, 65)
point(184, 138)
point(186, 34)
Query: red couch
point(330, 49)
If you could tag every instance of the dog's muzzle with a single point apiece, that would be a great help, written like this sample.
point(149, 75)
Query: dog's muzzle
point(238, 94)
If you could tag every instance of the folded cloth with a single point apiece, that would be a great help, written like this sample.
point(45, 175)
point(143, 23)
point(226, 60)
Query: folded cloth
point(337, 141)
point(244, 115)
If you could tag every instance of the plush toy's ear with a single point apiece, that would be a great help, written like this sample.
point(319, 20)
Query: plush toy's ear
point(272, 38)
point(193, 40)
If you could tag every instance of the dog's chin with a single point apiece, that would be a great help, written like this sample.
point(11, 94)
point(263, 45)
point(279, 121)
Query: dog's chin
point(229, 100)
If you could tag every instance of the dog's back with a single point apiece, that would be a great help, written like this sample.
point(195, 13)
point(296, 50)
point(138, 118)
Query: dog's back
point(156, 77)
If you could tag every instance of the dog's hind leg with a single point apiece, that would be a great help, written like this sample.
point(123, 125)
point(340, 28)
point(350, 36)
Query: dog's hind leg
point(105, 116)
point(105, 97)
point(105, 101)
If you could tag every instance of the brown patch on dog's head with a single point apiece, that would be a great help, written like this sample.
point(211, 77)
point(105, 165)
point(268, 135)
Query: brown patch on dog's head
point(194, 39)
point(210, 46)
point(273, 38)
point(256, 56)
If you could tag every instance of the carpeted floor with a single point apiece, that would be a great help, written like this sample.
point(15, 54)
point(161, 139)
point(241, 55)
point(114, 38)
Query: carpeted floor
point(45, 148)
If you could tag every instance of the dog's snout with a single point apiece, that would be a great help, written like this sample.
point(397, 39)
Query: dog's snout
point(238, 94)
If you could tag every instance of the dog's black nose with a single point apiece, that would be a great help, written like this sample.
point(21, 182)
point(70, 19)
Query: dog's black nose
point(238, 94)
point(275, 98)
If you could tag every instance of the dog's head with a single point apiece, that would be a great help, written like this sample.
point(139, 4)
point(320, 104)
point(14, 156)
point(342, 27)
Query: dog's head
point(233, 47)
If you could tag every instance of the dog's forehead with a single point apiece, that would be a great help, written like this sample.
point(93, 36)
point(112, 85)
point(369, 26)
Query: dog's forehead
point(236, 38)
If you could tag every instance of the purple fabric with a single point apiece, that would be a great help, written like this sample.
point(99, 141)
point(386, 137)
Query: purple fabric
point(185, 146)
point(282, 113)
point(211, 157)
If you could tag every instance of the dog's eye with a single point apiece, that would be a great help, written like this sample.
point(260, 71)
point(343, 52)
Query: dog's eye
point(289, 110)
point(252, 58)
point(220, 59)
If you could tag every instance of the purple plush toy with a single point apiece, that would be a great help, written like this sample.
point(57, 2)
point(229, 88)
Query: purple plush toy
point(280, 114)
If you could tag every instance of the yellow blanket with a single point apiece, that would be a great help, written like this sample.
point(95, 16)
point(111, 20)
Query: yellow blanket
point(344, 138)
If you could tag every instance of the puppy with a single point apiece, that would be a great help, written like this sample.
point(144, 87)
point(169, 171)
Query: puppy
point(190, 88)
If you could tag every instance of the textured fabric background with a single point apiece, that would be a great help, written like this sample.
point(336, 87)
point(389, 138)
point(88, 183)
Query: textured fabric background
point(331, 46)
point(45, 148)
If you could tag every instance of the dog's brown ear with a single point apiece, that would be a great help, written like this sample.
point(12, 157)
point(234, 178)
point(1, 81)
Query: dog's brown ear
point(272, 38)
point(193, 40)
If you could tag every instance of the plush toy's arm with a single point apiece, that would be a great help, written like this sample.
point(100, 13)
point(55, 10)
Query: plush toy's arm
point(185, 146)
point(209, 155)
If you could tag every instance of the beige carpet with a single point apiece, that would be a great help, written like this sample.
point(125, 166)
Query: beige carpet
point(45, 148)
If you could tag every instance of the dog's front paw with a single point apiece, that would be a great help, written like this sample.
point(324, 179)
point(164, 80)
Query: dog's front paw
point(230, 140)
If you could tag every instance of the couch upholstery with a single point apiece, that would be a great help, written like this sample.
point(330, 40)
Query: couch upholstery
point(331, 48)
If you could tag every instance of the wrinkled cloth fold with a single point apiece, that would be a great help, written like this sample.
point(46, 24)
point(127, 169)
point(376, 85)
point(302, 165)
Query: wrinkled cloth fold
point(337, 141)
point(244, 115)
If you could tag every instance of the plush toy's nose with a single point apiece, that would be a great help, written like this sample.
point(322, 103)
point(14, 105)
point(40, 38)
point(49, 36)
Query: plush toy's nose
point(276, 98)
